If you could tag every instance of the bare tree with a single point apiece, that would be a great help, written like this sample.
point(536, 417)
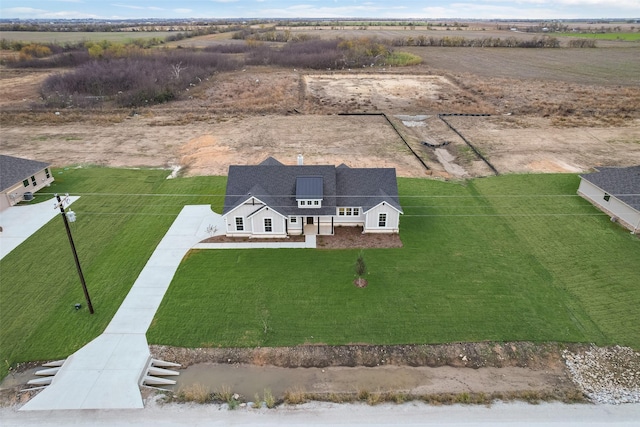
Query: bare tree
point(177, 69)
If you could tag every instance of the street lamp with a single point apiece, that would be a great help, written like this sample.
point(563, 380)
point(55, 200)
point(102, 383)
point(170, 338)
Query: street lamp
point(72, 217)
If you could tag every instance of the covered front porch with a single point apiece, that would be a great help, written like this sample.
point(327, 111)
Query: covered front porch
point(318, 225)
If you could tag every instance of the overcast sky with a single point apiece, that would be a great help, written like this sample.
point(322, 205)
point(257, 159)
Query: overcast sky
point(394, 9)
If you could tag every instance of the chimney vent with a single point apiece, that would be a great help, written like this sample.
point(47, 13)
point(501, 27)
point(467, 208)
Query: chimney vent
point(300, 160)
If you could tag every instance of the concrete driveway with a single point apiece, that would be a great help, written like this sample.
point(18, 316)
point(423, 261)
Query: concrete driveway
point(20, 222)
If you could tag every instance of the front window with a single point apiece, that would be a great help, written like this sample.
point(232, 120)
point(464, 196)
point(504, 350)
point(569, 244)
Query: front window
point(607, 196)
point(348, 211)
point(239, 223)
point(382, 220)
point(25, 182)
point(33, 181)
point(46, 172)
point(294, 219)
point(268, 226)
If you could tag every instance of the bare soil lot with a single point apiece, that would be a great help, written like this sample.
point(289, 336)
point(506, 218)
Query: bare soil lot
point(241, 118)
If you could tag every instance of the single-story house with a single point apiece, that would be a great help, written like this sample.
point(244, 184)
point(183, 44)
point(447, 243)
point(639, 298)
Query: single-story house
point(615, 191)
point(276, 200)
point(20, 178)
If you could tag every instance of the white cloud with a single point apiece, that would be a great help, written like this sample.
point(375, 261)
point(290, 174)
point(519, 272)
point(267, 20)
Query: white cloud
point(33, 13)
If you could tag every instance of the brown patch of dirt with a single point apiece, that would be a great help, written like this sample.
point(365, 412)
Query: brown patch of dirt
point(353, 238)
point(360, 282)
point(227, 239)
point(469, 355)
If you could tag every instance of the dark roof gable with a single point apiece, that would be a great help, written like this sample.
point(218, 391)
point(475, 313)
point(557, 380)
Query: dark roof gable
point(16, 169)
point(622, 183)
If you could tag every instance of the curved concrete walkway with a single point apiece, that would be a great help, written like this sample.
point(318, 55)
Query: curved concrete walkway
point(106, 373)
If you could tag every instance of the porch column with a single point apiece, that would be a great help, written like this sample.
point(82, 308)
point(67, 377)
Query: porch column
point(318, 226)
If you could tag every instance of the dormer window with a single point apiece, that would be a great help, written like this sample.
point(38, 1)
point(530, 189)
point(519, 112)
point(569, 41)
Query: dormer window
point(309, 204)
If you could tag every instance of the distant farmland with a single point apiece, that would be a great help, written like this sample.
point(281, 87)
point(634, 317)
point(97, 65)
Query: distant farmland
point(74, 37)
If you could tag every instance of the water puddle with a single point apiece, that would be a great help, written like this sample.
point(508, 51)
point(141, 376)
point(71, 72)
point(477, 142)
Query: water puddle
point(247, 380)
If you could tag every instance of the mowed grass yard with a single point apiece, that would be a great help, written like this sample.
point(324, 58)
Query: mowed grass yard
point(121, 217)
point(508, 258)
point(516, 257)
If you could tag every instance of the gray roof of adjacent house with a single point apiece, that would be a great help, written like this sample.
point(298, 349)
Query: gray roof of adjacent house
point(622, 183)
point(279, 185)
point(17, 169)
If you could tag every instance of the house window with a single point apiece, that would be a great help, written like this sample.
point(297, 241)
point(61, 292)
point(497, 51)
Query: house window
point(382, 220)
point(268, 226)
point(348, 211)
point(294, 219)
point(239, 223)
point(307, 203)
point(33, 181)
point(607, 196)
point(46, 172)
point(25, 182)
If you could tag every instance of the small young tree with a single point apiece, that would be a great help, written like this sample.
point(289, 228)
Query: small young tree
point(361, 270)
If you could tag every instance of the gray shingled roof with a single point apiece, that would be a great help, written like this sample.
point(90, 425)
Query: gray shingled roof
point(622, 183)
point(17, 169)
point(276, 186)
point(367, 187)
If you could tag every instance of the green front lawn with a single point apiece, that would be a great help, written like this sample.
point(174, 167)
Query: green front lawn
point(505, 258)
point(515, 257)
point(122, 216)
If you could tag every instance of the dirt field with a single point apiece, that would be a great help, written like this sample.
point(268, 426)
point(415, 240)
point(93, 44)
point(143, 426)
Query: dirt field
point(243, 117)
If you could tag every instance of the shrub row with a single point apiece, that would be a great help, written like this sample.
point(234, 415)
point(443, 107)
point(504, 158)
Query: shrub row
point(536, 42)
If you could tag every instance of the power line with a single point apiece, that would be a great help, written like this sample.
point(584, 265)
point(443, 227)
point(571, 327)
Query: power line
point(481, 196)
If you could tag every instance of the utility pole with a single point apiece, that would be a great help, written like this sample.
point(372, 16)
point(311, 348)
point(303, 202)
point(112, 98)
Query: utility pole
point(60, 205)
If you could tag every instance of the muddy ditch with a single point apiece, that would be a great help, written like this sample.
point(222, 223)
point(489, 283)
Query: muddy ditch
point(467, 355)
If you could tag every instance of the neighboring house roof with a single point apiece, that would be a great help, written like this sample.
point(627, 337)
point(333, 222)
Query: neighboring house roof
point(279, 185)
point(17, 169)
point(622, 183)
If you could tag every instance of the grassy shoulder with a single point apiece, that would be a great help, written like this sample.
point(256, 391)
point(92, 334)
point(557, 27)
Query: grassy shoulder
point(517, 258)
point(122, 216)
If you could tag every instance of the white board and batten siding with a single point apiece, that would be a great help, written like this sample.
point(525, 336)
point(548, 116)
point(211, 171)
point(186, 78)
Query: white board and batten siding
point(372, 216)
point(278, 228)
point(614, 207)
point(253, 213)
point(349, 220)
point(295, 228)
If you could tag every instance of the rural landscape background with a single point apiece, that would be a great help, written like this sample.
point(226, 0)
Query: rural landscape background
point(488, 125)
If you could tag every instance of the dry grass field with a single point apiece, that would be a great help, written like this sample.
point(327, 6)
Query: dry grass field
point(551, 110)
